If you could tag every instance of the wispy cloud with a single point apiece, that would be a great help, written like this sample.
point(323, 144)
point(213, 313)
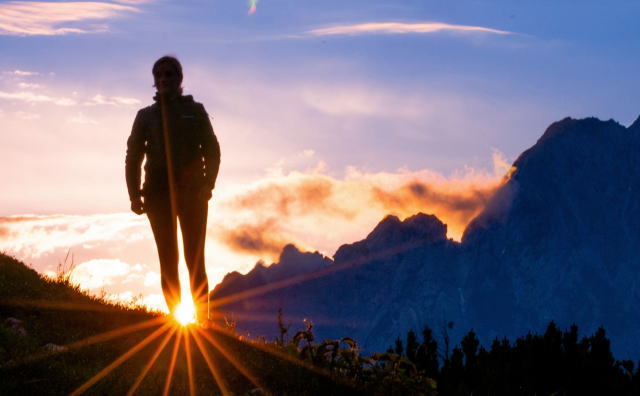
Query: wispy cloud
point(136, 2)
point(26, 18)
point(23, 115)
point(113, 100)
point(401, 28)
point(17, 72)
point(31, 97)
point(82, 119)
point(25, 85)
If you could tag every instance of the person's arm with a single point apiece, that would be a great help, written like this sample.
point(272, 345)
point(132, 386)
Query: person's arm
point(133, 163)
point(210, 150)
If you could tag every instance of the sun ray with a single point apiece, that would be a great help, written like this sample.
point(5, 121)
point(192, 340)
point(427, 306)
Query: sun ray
point(172, 365)
point(185, 312)
point(153, 359)
point(89, 341)
point(187, 348)
point(212, 368)
point(243, 370)
point(105, 371)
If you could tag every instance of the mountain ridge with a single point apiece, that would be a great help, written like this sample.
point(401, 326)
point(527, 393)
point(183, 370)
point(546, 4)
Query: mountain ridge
point(556, 242)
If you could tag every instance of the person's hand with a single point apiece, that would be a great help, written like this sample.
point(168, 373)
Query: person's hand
point(137, 206)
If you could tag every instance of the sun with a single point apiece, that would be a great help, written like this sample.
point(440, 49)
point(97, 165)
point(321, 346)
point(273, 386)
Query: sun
point(185, 313)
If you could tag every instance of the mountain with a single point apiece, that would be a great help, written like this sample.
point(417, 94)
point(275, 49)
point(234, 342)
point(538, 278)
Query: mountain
point(558, 241)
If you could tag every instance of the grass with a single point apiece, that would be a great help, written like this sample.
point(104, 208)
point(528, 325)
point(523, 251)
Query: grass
point(53, 311)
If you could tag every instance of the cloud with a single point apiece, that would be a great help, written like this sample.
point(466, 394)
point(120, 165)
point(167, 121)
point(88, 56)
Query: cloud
point(135, 2)
point(304, 194)
point(21, 73)
point(31, 97)
point(460, 206)
point(97, 273)
point(400, 28)
point(25, 18)
point(23, 115)
point(357, 101)
point(82, 119)
point(25, 85)
point(260, 239)
point(113, 100)
point(50, 237)
point(317, 211)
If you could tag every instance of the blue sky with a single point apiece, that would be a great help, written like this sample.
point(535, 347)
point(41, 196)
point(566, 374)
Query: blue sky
point(355, 95)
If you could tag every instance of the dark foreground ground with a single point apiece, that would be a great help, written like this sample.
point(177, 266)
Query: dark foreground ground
point(55, 340)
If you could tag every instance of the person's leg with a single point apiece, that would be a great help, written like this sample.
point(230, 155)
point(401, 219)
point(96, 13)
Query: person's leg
point(163, 225)
point(193, 223)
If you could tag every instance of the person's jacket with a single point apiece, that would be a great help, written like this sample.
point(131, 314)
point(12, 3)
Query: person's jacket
point(194, 153)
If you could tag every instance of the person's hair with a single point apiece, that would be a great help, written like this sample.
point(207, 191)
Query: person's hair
point(171, 61)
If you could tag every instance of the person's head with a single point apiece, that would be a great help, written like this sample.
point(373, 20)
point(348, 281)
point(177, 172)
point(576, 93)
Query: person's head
point(167, 75)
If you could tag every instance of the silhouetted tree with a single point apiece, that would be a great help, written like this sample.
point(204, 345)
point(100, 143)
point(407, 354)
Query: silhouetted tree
point(552, 363)
point(399, 349)
point(427, 354)
point(412, 346)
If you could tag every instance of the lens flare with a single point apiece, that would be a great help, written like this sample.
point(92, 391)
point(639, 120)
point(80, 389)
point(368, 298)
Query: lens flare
point(252, 6)
point(185, 312)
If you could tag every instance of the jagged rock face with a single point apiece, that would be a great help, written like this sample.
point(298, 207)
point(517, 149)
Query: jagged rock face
point(564, 248)
point(558, 241)
point(363, 294)
point(404, 276)
point(260, 312)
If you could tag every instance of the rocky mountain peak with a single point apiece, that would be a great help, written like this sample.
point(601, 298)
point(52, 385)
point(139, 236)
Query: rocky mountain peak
point(421, 229)
point(635, 127)
point(420, 226)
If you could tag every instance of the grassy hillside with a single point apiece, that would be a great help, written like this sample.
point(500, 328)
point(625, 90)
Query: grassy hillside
point(65, 338)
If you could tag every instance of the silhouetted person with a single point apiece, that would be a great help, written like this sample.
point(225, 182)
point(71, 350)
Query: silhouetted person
point(182, 155)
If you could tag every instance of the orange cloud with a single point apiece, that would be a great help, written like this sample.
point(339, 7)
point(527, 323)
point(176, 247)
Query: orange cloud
point(456, 208)
point(316, 211)
point(303, 195)
point(261, 239)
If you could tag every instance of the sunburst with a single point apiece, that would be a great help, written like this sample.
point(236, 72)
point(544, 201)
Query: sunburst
point(185, 313)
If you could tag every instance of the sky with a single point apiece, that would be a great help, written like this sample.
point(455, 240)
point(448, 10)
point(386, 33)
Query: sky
point(330, 115)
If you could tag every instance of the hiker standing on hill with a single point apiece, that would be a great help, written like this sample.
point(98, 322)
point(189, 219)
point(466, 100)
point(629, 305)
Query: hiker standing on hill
point(182, 155)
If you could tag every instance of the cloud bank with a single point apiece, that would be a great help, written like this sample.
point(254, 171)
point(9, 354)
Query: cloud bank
point(319, 212)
